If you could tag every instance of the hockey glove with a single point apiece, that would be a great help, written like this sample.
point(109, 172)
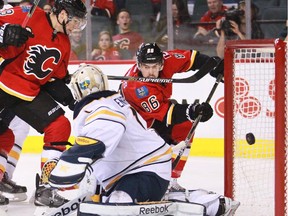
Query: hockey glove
point(13, 34)
point(195, 109)
point(219, 69)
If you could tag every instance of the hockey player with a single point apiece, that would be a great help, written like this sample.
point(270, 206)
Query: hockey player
point(20, 129)
point(110, 137)
point(152, 100)
point(32, 60)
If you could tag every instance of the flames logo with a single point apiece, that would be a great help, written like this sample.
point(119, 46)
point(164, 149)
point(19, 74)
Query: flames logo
point(40, 61)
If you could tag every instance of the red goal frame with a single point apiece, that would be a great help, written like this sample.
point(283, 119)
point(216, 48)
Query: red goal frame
point(280, 118)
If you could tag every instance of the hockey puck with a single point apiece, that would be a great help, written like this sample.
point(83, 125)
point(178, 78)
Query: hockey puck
point(250, 138)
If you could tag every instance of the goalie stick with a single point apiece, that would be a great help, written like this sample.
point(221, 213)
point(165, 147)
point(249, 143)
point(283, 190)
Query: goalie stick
point(183, 144)
point(30, 12)
point(205, 69)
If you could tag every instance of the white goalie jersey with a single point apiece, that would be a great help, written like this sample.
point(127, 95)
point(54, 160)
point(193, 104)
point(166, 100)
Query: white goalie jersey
point(129, 146)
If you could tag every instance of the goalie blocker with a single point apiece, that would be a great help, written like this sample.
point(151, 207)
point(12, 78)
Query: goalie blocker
point(152, 209)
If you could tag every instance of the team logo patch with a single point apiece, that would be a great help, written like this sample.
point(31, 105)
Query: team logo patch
point(25, 8)
point(41, 60)
point(142, 92)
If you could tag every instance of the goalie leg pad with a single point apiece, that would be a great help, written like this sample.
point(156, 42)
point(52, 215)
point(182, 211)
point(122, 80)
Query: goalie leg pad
point(215, 204)
point(148, 208)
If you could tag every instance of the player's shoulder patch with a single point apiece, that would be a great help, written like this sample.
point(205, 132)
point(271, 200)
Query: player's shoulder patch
point(142, 92)
point(25, 8)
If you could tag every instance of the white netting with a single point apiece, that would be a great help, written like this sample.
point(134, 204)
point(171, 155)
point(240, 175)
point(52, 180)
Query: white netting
point(253, 168)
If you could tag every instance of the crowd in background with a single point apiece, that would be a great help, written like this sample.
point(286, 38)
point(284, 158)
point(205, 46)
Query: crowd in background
point(120, 26)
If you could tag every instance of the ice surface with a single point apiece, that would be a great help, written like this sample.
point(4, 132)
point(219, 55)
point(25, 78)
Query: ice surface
point(200, 172)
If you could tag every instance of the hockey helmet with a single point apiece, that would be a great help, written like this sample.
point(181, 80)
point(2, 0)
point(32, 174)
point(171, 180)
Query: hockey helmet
point(149, 53)
point(74, 8)
point(88, 79)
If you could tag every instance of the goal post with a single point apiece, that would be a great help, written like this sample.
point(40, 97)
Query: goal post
point(256, 103)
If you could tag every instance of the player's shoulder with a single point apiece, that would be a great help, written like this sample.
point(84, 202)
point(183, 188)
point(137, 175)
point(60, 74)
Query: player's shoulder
point(133, 71)
point(172, 55)
point(94, 97)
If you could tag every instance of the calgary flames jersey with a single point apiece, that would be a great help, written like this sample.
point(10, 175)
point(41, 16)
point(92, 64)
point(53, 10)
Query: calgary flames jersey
point(151, 100)
point(38, 60)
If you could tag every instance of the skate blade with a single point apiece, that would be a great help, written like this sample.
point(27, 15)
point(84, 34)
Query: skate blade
point(16, 197)
point(234, 207)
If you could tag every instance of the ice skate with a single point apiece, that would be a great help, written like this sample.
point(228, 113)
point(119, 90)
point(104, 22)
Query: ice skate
point(47, 196)
point(12, 191)
point(230, 206)
point(175, 187)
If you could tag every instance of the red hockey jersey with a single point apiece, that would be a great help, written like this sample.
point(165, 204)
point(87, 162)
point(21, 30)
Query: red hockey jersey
point(151, 100)
point(37, 61)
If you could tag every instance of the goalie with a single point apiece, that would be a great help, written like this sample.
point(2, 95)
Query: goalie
point(130, 162)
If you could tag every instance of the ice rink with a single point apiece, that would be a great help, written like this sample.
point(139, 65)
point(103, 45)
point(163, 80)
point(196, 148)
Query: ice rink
point(200, 172)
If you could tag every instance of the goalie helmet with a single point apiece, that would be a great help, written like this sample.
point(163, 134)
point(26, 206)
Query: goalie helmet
point(149, 53)
point(88, 79)
point(74, 8)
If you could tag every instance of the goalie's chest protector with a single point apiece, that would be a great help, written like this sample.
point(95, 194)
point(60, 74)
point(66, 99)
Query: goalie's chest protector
point(130, 147)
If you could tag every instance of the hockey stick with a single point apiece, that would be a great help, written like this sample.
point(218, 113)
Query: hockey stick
point(183, 144)
point(205, 69)
point(30, 13)
point(66, 209)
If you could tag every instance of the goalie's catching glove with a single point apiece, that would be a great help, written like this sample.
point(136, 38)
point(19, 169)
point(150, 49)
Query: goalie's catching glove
point(14, 34)
point(196, 109)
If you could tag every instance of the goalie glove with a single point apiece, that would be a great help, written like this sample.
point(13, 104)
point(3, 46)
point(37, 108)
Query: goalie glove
point(14, 34)
point(196, 109)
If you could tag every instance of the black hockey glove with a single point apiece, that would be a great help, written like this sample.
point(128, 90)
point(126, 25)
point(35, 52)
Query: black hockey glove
point(196, 109)
point(13, 34)
point(219, 69)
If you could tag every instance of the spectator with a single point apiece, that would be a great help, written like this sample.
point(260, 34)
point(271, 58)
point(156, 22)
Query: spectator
point(283, 34)
point(229, 29)
point(103, 8)
point(127, 41)
point(156, 6)
point(182, 30)
point(105, 50)
point(78, 48)
point(216, 11)
point(47, 8)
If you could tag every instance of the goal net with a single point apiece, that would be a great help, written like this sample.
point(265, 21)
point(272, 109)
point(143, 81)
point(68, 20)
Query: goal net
point(256, 126)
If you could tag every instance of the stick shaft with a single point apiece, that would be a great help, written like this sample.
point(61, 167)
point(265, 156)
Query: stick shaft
point(210, 65)
point(30, 13)
point(195, 123)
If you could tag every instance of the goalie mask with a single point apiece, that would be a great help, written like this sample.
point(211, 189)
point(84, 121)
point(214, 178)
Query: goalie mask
point(88, 79)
